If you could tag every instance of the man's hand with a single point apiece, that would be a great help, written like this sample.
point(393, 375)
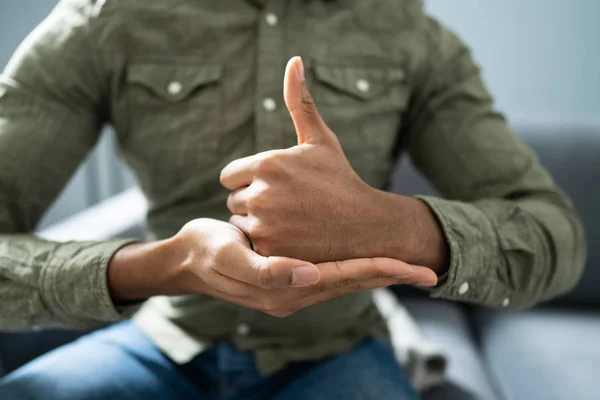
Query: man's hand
point(307, 202)
point(214, 258)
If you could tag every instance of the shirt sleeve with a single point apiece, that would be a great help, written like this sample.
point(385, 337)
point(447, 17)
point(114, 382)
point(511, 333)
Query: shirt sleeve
point(515, 239)
point(51, 97)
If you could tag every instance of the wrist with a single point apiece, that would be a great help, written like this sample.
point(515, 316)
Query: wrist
point(408, 230)
point(146, 269)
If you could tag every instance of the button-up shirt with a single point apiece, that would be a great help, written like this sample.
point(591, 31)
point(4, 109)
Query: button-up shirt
point(190, 85)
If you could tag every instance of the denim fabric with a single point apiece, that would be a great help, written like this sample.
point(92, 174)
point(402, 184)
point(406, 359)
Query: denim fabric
point(121, 363)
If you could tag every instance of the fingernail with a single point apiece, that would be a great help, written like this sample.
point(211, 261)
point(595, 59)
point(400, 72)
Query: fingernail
point(428, 284)
point(305, 275)
point(300, 70)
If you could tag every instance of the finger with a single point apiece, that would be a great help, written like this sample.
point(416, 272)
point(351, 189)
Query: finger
point(333, 293)
point(241, 172)
point(307, 120)
point(421, 275)
point(342, 273)
point(242, 222)
point(227, 286)
point(244, 300)
point(244, 265)
point(237, 201)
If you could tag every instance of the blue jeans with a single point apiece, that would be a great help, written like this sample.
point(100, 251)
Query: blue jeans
point(121, 363)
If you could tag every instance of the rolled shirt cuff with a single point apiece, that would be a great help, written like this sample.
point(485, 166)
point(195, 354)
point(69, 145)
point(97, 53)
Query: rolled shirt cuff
point(75, 283)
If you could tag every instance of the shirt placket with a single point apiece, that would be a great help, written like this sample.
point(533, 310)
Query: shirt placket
point(268, 104)
point(269, 77)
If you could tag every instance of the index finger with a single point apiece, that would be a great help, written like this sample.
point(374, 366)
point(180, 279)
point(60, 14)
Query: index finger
point(240, 172)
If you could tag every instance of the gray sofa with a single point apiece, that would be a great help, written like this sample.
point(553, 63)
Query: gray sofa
point(546, 353)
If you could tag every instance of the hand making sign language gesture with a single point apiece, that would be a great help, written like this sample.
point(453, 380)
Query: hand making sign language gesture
point(307, 202)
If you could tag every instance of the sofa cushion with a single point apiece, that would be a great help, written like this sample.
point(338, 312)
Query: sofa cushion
point(570, 153)
point(542, 354)
point(447, 324)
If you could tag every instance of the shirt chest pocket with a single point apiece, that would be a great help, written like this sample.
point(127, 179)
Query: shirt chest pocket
point(174, 114)
point(364, 107)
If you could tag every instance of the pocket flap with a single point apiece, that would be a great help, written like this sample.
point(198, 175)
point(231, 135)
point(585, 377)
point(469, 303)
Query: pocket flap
point(173, 82)
point(362, 82)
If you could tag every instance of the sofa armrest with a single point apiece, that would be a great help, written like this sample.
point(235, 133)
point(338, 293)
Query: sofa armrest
point(119, 216)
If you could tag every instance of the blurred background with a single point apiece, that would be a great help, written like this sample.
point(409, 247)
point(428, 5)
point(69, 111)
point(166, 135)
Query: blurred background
point(540, 58)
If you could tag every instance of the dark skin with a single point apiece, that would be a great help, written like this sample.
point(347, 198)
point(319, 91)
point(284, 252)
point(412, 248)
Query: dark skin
point(308, 202)
point(276, 253)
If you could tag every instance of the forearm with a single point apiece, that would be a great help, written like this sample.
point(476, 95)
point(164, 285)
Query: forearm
point(44, 283)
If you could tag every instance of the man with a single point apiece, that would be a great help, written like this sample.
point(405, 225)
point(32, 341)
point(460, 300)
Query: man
point(273, 303)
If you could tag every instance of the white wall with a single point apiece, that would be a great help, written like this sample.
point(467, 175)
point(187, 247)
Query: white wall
point(540, 58)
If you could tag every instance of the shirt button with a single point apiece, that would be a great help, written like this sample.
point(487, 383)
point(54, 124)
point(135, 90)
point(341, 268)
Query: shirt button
point(243, 329)
point(271, 19)
point(505, 302)
point(269, 104)
point(464, 288)
point(363, 85)
point(174, 88)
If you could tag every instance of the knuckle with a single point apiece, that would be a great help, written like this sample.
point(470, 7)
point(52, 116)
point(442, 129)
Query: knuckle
point(253, 203)
point(231, 202)
point(347, 282)
point(378, 271)
point(357, 287)
point(308, 102)
point(344, 282)
point(266, 165)
point(263, 247)
point(308, 108)
point(255, 229)
point(262, 166)
point(375, 269)
point(212, 271)
point(264, 278)
point(222, 252)
point(226, 248)
point(259, 199)
point(272, 164)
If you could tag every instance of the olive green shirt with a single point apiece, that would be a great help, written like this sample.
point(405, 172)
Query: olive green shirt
point(190, 85)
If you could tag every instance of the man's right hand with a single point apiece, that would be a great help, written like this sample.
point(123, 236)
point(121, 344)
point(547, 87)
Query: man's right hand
point(214, 258)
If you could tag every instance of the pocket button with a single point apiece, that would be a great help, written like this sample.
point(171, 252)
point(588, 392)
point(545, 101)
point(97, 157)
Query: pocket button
point(363, 85)
point(174, 88)
point(271, 19)
point(269, 104)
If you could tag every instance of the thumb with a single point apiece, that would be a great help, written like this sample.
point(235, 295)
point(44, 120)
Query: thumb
point(307, 120)
point(279, 272)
